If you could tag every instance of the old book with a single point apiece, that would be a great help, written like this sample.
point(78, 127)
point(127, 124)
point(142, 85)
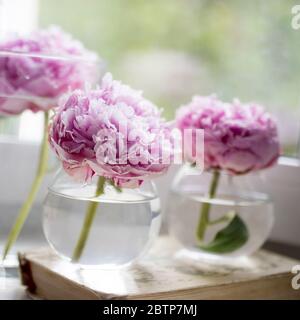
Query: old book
point(161, 275)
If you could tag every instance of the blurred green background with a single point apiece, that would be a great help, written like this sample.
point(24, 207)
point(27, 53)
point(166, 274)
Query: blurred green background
point(173, 49)
point(242, 48)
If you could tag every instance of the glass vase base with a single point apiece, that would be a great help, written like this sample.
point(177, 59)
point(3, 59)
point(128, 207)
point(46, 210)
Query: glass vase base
point(11, 261)
point(9, 268)
point(82, 268)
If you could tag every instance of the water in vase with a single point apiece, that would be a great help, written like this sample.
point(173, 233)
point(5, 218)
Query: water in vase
point(184, 214)
point(122, 229)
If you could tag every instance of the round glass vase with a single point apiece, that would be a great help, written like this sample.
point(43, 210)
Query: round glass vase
point(124, 224)
point(218, 215)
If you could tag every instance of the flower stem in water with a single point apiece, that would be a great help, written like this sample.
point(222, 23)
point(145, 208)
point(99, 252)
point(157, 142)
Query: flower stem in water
point(89, 217)
point(205, 208)
point(24, 212)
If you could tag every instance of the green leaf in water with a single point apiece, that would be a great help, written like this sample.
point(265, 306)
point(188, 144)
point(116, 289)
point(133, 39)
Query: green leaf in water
point(229, 239)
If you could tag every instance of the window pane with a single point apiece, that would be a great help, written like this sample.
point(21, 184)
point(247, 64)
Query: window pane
point(174, 49)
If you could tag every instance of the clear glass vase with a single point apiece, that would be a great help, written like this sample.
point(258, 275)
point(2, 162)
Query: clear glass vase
point(124, 225)
point(217, 215)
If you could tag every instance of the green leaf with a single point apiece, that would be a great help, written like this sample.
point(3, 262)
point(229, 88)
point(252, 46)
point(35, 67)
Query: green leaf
point(229, 239)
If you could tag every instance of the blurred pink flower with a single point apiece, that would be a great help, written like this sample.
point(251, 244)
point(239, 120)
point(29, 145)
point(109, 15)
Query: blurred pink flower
point(237, 137)
point(112, 132)
point(54, 64)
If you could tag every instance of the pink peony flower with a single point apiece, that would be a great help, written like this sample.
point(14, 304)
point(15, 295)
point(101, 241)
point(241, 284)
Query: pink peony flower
point(112, 132)
point(36, 70)
point(114, 92)
point(237, 137)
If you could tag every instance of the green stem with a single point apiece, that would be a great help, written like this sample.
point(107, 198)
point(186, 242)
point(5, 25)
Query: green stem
point(204, 214)
point(89, 217)
point(24, 212)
